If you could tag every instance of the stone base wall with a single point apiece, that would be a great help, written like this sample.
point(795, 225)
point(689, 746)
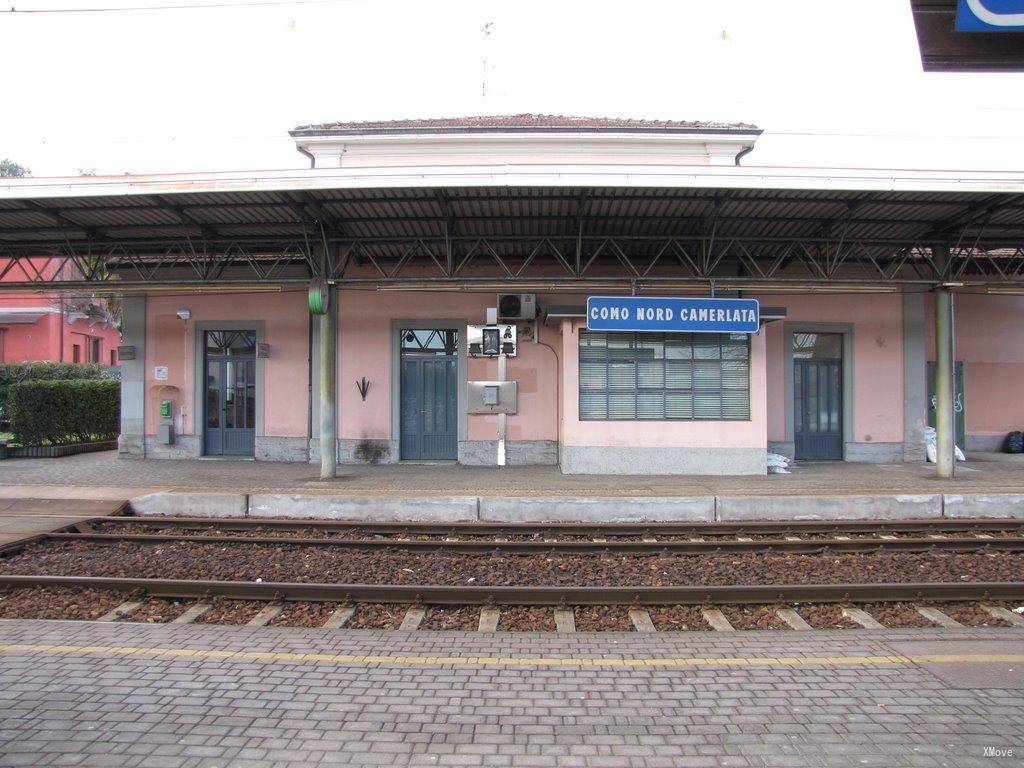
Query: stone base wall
point(184, 447)
point(365, 451)
point(984, 443)
point(131, 447)
point(484, 453)
point(606, 460)
point(875, 453)
point(871, 453)
point(292, 449)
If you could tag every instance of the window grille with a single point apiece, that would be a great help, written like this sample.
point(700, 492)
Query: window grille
point(664, 376)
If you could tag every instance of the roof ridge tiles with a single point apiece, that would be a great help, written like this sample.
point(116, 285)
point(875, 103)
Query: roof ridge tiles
point(523, 121)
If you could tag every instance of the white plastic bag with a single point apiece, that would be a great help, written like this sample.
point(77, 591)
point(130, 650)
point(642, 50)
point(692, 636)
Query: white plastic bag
point(930, 450)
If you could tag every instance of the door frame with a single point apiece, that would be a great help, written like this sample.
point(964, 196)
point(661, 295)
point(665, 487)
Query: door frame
point(462, 367)
point(199, 383)
point(846, 329)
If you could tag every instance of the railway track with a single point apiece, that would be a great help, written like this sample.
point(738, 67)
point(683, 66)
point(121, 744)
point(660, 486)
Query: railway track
point(455, 530)
point(981, 537)
point(696, 547)
point(483, 538)
point(532, 595)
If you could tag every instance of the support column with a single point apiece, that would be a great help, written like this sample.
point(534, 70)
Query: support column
point(132, 442)
point(502, 418)
point(915, 386)
point(328, 388)
point(944, 415)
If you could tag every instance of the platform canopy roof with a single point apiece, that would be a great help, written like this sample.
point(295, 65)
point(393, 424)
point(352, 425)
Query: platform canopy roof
point(635, 228)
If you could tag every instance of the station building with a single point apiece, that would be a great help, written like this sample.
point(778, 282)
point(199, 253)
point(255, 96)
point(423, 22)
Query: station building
point(405, 234)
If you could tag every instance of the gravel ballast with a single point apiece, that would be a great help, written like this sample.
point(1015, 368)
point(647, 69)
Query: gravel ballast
point(896, 615)
point(969, 614)
point(523, 618)
point(463, 619)
point(677, 618)
point(156, 610)
point(304, 614)
point(230, 611)
point(603, 618)
point(753, 617)
point(826, 616)
point(377, 616)
point(58, 603)
point(249, 562)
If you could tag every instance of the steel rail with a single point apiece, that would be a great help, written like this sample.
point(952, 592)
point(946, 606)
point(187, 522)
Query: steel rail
point(806, 546)
point(534, 595)
point(738, 528)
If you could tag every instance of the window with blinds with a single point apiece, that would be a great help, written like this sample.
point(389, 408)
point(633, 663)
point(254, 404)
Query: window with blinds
point(659, 376)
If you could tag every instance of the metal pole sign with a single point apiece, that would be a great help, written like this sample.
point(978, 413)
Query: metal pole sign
point(990, 16)
point(673, 314)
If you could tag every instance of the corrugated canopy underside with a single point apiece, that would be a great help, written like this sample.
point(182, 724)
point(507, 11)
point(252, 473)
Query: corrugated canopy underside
point(514, 213)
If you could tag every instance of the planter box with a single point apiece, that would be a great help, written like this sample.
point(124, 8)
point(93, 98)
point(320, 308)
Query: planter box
point(56, 451)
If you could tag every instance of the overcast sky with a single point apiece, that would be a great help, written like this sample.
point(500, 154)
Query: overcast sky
point(218, 88)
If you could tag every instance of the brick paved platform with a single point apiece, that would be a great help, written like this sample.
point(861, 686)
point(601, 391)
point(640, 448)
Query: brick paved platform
point(144, 695)
point(22, 518)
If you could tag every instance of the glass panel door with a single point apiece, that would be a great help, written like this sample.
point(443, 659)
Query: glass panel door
point(818, 395)
point(230, 403)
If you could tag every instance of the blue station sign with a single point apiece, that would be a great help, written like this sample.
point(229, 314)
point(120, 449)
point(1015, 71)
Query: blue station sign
point(673, 314)
point(990, 16)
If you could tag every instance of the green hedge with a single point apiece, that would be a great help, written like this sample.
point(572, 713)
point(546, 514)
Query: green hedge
point(59, 412)
point(12, 373)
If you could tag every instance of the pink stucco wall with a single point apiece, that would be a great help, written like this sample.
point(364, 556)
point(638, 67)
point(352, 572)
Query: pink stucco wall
point(171, 341)
point(698, 434)
point(990, 331)
point(365, 348)
point(989, 339)
point(877, 321)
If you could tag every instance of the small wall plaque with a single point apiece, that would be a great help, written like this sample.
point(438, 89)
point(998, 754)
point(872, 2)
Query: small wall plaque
point(160, 372)
point(126, 352)
point(262, 350)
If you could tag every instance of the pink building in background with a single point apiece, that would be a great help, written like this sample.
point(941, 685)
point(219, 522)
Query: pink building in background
point(43, 327)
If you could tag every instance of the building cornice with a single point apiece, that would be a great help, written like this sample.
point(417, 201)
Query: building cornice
point(526, 175)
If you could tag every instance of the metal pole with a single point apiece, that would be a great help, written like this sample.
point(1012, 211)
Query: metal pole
point(945, 434)
point(60, 354)
point(328, 388)
point(944, 415)
point(502, 359)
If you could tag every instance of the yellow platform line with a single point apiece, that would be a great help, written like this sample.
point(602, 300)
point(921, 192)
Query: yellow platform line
point(511, 661)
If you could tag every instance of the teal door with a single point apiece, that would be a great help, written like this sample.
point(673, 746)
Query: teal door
point(818, 409)
point(429, 394)
point(818, 396)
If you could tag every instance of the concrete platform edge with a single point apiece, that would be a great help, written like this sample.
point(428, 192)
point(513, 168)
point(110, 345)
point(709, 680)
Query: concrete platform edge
point(381, 508)
point(822, 507)
point(983, 504)
point(604, 509)
point(581, 508)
